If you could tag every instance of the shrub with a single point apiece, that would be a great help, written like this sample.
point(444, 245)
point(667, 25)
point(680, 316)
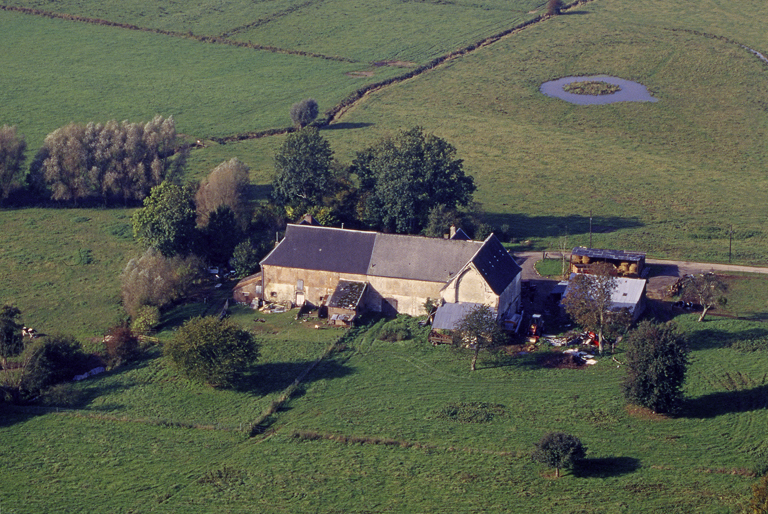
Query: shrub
point(559, 450)
point(211, 351)
point(147, 318)
point(304, 112)
point(121, 345)
point(395, 331)
point(53, 360)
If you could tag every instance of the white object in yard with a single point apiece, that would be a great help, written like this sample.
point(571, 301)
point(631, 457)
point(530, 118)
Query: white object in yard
point(213, 271)
point(591, 361)
point(217, 286)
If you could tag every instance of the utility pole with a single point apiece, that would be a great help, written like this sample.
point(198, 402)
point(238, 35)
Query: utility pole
point(590, 229)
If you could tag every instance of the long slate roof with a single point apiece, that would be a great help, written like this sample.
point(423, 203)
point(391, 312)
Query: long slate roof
point(619, 255)
point(392, 255)
point(323, 249)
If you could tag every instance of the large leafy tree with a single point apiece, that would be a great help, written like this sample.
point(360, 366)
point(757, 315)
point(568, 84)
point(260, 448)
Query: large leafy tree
point(167, 222)
point(11, 340)
point(589, 302)
point(478, 330)
point(211, 351)
point(303, 174)
point(12, 147)
point(402, 178)
point(221, 235)
point(657, 359)
point(706, 289)
point(559, 450)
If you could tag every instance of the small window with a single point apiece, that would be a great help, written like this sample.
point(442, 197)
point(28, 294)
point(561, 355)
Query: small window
point(300, 285)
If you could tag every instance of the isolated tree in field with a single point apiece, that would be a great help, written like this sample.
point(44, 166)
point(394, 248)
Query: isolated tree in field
point(11, 339)
point(478, 330)
point(402, 178)
point(303, 170)
point(121, 345)
point(211, 351)
point(167, 220)
point(304, 112)
point(554, 7)
point(227, 185)
point(706, 289)
point(657, 359)
point(156, 281)
point(559, 450)
point(114, 161)
point(589, 302)
point(12, 147)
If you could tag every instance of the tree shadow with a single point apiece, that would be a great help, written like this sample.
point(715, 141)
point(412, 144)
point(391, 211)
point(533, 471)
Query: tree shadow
point(606, 467)
point(709, 338)
point(259, 192)
point(726, 402)
point(273, 377)
point(524, 226)
point(347, 125)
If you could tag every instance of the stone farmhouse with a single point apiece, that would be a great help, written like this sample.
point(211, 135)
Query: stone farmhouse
point(388, 273)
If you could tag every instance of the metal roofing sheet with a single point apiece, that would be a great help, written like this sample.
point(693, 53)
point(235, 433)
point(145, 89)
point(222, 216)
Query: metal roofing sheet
point(448, 315)
point(619, 255)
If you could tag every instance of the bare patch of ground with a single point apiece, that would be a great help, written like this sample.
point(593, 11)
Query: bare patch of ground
point(644, 413)
point(395, 64)
point(558, 360)
point(359, 74)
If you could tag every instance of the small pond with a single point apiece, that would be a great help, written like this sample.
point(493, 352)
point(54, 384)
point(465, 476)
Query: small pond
point(630, 91)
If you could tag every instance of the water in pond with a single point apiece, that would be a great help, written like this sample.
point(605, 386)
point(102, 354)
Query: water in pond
point(630, 91)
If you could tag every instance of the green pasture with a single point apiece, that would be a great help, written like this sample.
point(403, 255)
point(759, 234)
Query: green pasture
point(668, 177)
point(128, 424)
point(57, 72)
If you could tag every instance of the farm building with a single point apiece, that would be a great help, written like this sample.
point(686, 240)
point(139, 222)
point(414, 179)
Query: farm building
point(400, 272)
point(629, 294)
point(627, 264)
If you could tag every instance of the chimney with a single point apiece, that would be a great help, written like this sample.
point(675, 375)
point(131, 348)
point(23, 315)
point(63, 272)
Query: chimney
point(453, 231)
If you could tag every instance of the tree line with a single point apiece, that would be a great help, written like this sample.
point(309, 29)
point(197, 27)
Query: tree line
point(108, 163)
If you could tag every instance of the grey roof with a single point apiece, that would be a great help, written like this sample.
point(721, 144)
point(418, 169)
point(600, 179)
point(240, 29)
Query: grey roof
point(460, 234)
point(392, 255)
point(619, 255)
point(627, 294)
point(420, 258)
point(448, 315)
point(323, 248)
point(496, 265)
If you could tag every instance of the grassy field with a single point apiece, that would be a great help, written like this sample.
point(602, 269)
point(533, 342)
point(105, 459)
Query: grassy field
point(669, 177)
point(408, 456)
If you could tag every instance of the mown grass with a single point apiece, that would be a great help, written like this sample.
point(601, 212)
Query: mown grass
point(401, 454)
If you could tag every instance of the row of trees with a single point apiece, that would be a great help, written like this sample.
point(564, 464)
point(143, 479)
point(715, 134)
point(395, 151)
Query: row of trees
point(411, 182)
point(94, 162)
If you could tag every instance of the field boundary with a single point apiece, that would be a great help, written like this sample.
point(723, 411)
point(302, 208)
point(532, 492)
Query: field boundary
point(182, 35)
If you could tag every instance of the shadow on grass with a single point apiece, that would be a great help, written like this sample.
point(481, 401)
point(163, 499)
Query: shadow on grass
point(726, 402)
point(276, 376)
point(709, 338)
point(606, 467)
point(345, 125)
point(259, 192)
point(524, 227)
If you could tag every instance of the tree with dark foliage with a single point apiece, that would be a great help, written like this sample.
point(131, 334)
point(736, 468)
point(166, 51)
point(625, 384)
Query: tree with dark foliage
point(559, 450)
point(212, 351)
point(11, 339)
point(657, 359)
point(303, 173)
point(478, 330)
point(12, 147)
point(402, 178)
point(167, 222)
